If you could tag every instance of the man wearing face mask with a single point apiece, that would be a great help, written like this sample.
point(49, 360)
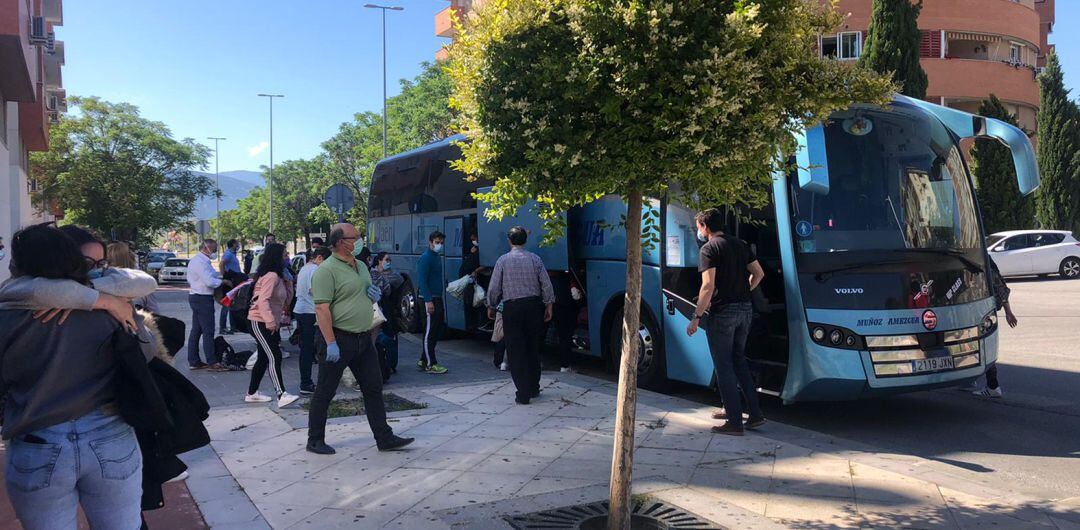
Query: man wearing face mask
point(203, 279)
point(429, 271)
point(729, 271)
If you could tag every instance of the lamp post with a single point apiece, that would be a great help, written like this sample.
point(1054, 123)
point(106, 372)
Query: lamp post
point(217, 184)
point(384, 8)
point(270, 180)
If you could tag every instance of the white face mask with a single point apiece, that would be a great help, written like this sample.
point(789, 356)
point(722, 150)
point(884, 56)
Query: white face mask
point(703, 237)
point(3, 253)
point(438, 247)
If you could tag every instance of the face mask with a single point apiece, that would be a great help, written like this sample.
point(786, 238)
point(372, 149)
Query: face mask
point(702, 237)
point(438, 248)
point(3, 253)
point(386, 266)
point(95, 273)
point(213, 256)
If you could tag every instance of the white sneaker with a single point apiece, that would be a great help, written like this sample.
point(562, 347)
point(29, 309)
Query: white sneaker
point(285, 355)
point(566, 370)
point(257, 397)
point(286, 399)
point(178, 478)
point(989, 392)
point(504, 366)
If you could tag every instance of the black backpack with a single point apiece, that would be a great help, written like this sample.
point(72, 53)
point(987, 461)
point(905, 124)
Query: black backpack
point(238, 309)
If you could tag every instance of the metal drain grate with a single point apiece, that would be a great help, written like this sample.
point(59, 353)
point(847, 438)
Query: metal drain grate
point(648, 514)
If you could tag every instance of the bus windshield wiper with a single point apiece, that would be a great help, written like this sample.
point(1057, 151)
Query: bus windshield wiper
point(826, 274)
point(953, 253)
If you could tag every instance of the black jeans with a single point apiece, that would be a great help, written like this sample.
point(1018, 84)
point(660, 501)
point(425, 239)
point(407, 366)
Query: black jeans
point(306, 323)
point(434, 323)
point(565, 317)
point(269, 345)
point(358, 353)
point(727, 328)
point(523, 328)
point(202, 329)
point(991, 376)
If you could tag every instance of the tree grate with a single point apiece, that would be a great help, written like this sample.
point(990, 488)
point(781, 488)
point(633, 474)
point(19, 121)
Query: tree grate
point(644, 515)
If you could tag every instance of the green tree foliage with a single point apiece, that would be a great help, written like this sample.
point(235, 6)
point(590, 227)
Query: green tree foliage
point(1003, 207)
point(119, 173)
point(565, 101)
point(1058, 199)
point(892, 44)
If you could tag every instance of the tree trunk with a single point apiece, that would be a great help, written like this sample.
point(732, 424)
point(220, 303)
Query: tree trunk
point(622, 461)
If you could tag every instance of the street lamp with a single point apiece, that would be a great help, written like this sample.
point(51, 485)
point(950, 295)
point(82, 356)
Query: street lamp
point(384, 8)
point(217, 183)
point(271, 179)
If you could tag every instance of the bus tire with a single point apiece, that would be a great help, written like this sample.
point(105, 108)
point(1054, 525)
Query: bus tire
point(407, 314)
point(652, 373)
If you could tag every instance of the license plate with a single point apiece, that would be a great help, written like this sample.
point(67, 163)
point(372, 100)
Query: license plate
point(932, 364)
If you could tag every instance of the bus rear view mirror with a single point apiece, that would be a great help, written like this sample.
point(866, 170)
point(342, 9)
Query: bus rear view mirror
point(1027, 166)
point(812, 161)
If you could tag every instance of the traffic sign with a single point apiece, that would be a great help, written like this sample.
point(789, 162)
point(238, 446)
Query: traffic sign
point(339, 198)
point(202, 227)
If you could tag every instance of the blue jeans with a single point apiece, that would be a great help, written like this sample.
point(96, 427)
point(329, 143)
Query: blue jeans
point(223, 319)
point(727, 328)
point(93, 461)
point(202, 328)
point(306, 323)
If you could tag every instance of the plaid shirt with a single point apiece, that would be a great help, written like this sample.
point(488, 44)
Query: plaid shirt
point(519, 274)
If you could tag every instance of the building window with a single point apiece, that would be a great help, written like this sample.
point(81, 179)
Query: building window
point(1016, 52)
point(845, 45)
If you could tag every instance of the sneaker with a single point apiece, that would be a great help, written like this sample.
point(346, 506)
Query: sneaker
point(286, 399)
point(989, 392)
point(566, 370)
point(394, 442)
point(436, 369)
point(970, 387)
point(504, 366)
point(320, 448)
point(488, 327)
point(257, 397)
point(754, 423)
point(521, 401)
point(421, 365)
point(728, 429)
point(307, 390)
point(178, 478)
point(285, 355)
point(356, 388)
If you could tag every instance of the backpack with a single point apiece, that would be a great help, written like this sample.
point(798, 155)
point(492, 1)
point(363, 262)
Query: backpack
point(239, 305)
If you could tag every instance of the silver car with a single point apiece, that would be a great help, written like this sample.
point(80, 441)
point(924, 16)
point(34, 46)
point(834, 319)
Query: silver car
point(1035, 252)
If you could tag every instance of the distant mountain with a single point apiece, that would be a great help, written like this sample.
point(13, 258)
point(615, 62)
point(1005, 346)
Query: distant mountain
point(235, 185)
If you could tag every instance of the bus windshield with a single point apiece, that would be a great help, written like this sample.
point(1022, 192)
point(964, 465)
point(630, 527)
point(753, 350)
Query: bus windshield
point(897, 181)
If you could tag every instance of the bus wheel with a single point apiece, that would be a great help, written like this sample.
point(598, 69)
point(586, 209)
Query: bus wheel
point(651, 371)
point(407, 312)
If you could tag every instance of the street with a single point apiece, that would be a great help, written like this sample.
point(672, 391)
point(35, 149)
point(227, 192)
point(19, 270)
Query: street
point(1028, 442)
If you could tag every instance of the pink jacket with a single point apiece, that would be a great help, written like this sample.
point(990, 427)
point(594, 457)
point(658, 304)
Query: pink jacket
point(268, 300)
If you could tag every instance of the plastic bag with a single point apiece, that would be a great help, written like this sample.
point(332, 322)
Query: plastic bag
point(457, 287)
point(378, 318)
point(479, 297)
point(497, 334)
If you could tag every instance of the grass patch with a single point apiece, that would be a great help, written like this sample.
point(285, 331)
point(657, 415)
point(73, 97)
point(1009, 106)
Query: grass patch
point(355, 407)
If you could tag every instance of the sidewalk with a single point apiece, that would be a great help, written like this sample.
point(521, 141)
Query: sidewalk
point(480, 458)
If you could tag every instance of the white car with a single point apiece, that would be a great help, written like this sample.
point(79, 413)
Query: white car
point(174, 270)
point(1035, 252)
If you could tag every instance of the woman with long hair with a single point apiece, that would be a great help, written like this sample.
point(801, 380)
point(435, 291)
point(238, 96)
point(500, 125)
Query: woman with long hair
point(119, 256)
point(67, 444)
point(269, 299)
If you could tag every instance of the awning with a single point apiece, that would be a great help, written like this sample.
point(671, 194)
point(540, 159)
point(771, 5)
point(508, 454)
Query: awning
point(977, 37)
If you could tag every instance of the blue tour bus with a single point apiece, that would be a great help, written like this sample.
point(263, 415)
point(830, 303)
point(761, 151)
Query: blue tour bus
point(873, 252)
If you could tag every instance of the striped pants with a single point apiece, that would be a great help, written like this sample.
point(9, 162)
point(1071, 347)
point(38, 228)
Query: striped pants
point(269, 345)
point(434, 323)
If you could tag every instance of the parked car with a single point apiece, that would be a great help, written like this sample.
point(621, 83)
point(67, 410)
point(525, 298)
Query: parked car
point(1035, 252)
point(174, 270)
point(156, 260)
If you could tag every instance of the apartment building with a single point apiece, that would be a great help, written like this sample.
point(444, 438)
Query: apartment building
point(31, 98)
point(969, 50)
point(443, 25)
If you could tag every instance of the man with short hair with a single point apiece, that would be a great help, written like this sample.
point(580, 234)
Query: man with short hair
point(429, 272)
point(521, 286)
point(229, 265)
point(729, 271)
point(304, 311)
point(344, 300)
point(202, 279)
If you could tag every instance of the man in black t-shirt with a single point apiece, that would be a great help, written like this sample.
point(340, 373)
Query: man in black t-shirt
point(729, 271)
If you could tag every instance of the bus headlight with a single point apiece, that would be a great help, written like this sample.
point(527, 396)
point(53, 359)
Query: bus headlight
point(989, 323)
point(819, 334)
point(836, 337)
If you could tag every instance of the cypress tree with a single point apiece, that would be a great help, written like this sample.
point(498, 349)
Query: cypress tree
point(892, 45)
point(1003, 207)
point(1058, 141)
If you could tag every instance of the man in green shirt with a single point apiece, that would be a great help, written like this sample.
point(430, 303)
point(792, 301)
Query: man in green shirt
point(344, 306)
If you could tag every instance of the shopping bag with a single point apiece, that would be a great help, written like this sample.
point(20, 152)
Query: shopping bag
point(497, 334)
point(457, 287)
point(378, 319)
point(479, 298)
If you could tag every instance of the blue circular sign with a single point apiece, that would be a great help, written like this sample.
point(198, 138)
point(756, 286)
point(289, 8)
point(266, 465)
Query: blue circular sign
point(804, 228)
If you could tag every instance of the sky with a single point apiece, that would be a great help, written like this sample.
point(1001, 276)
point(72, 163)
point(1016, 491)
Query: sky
point(197, 65)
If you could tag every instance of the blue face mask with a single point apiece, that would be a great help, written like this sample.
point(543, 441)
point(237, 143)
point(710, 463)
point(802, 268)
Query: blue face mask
point(438, 248)
point(386, 266)
point(702, 237)
point(95, 273)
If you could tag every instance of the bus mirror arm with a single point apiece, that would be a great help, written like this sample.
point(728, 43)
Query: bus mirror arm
point(1027, 167)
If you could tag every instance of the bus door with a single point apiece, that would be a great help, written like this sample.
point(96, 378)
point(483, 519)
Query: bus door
point(767, 345)
point(452, 253)
point(687, 358)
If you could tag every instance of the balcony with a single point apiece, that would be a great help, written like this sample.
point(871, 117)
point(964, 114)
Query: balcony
point(53, 11)
point(444, 26)
point(33, 126)
point(976, 79)
point(17, 57)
